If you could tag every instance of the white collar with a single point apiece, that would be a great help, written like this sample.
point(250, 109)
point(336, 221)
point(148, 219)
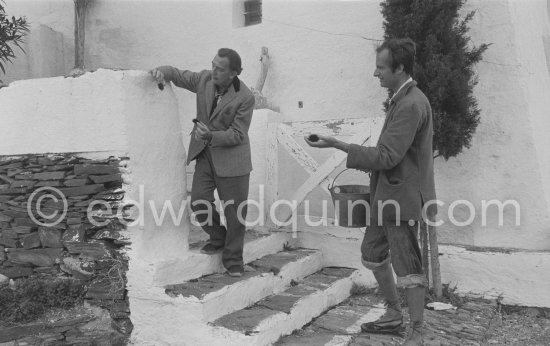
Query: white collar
point(401, 87)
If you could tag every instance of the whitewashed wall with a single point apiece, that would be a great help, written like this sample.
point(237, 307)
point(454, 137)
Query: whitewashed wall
point(332, 74)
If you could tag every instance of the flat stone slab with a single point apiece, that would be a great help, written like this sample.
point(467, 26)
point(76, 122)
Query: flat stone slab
point(468, 325)
point(304, 337)
point(339, 319)
point(245, 320)
point(275, 262)
point(320, 280)
point(340, 272)
point(278, 303)
point(207, 284)
point(197, 242)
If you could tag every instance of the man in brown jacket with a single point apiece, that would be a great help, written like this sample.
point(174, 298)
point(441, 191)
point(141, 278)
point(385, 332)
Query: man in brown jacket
point(221, 148)
point(402, 188)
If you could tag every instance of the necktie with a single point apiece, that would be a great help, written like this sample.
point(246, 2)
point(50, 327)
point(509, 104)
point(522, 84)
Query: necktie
point(215, 102)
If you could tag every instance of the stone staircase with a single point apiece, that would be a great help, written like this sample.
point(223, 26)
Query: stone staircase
point(283, 289)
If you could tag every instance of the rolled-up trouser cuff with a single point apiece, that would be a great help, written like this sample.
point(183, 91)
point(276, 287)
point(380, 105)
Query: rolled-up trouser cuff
point(376, 266)
point(412, 280)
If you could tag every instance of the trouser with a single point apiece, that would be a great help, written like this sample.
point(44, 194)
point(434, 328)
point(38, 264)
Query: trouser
point(398, 244)
point(233, 193)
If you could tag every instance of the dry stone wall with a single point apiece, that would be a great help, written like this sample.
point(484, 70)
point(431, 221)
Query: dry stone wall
point(63, 216)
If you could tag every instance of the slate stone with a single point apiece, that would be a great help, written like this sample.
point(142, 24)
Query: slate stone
point(24, 221)
point(10, 233)
point(60, 167)
point(16, 272)
point(341, 272)
point(51, 183)
point(54, 205)
point(37, 257)
point(83, 204)
point(5, 179)
point(309, 336)
point(15, 213)
point(13, 164)
point(88, 169)
point(74, 221)
point(4, 225)
point(75, 182)
point(31, 241)
point(13, 191)
point(82, 190)
point(50, 238)
point(25, 175)
point(10, 243)
point(23, 183)
point(44, 161)
point(123, 325)
point(73, 234)
point(4, 186)
point(93, 250)
point(320, 281)
point(23, 229)
point(280, 302)
point(77, 268)
point(207, 284)
point(5, 218)
point(340, 318)
point(49, 175)
point(110, 196)
point(108, 234)
point(276, 262)
point(105, 288)
point(101, 179)
point(301, 290)
point(46, 270)
point(5, 198)
point(245, 320)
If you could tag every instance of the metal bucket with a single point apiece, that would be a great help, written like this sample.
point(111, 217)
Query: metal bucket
point(350, 203)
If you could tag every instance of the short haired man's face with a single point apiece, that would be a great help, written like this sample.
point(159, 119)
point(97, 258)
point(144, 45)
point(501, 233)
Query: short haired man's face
point(222, 75)
point(388, 78)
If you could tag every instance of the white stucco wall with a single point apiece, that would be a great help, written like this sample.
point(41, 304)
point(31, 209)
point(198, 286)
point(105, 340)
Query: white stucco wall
point(317, 58)
point(508, 158)
point(106, 113)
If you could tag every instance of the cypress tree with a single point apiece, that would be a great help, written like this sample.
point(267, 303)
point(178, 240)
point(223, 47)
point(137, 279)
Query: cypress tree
point(444, 65)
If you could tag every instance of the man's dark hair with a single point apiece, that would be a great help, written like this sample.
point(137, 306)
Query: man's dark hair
point(233, 57)
point(401, 51)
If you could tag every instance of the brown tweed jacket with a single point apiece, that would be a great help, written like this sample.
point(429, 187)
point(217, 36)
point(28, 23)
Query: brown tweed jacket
point(402, 160)
point(229, 123)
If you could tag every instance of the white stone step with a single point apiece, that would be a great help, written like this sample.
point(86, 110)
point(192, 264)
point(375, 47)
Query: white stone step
point(196, 264)
point(341, 324)
point(221, 294)
point(277, 315)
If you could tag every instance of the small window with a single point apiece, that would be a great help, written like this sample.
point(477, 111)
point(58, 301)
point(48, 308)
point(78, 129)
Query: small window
point(252, 12)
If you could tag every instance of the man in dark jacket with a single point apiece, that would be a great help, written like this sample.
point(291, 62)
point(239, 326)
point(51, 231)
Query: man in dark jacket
point(221, 147)
point(402, 188)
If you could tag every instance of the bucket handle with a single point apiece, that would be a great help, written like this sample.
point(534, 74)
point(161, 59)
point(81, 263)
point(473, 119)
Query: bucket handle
point(337, 175)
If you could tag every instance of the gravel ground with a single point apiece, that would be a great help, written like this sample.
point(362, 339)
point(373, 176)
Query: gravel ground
point(521, 326)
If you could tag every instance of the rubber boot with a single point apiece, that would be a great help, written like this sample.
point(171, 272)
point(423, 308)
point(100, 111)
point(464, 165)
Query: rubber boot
point(392, 320)
point(415, 300)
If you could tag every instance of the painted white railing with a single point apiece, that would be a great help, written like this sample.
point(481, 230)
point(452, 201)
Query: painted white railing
point(363, 131)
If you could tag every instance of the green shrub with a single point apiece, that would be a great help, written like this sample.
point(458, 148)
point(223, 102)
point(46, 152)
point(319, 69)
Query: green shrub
point(32, 297)
point(12, 31)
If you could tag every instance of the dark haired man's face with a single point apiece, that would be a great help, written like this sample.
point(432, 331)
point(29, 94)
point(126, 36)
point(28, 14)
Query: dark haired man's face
point(222, 75)
point(388, 78)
